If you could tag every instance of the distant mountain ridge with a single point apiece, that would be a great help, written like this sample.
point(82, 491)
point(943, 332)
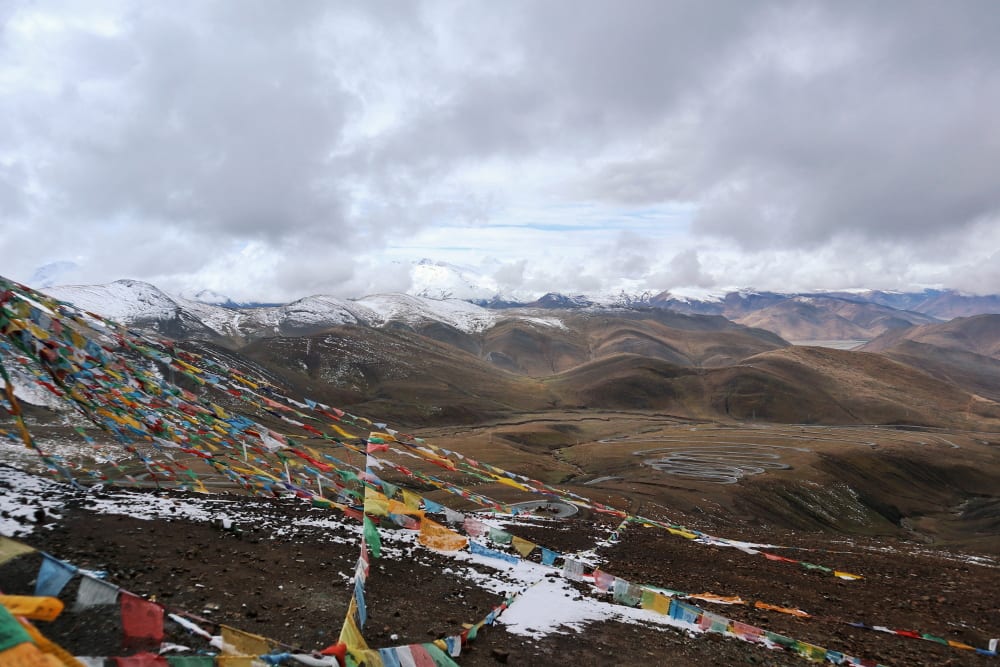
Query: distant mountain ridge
point(140, 304)
point(802, 317)
point(425, 360)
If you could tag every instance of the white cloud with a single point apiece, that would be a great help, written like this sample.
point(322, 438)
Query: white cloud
point(268, 151)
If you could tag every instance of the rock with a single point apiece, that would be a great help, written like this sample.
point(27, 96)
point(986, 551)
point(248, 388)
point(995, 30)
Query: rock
point(500, 655)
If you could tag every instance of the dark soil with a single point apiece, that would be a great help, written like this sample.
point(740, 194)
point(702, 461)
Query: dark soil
point(294, 588)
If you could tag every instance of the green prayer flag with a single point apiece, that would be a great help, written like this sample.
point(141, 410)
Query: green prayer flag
point(11, 632)
point(191, 660)
point(372, 538)
point(441, 659)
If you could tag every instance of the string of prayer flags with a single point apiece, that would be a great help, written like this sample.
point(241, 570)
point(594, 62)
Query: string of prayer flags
point(21, 644)
point(415, 655)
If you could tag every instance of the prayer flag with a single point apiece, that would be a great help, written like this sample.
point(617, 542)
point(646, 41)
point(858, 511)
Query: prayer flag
point(142, 660)
point(53, 576)
point(94, 592)
point(141, 619)
point(573, 569)
point(238, 642)
point(603, 581)
point(655, 601)
point(372, 538)
point(350, 634)
point(191, 661)
point(436, 536)
point(523, 547)
point(10, 549)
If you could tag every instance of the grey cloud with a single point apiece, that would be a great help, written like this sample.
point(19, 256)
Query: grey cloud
point(325, 130)
point(894, 138)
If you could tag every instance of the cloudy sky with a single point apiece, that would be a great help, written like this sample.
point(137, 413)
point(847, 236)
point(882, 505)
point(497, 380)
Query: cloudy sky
point(269, 150)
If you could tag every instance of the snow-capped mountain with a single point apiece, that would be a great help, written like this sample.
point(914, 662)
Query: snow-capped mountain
point(140, 304)
point(441, 280)
point(53, 273)
point(859, 315)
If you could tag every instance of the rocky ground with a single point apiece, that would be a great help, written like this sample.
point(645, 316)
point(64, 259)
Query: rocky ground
point(282, 570)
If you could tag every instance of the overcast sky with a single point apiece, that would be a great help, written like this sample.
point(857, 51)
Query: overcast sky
point(270, 150)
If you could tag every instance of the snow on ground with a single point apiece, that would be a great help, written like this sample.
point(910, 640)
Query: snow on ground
point(552, 322)
point(21, 496)
point(547, 602)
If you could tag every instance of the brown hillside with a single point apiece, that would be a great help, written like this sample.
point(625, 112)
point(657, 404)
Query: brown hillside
point(824, 318)
point(964, 352)
point(979, 335)
point(869, 387)
point(408, 377)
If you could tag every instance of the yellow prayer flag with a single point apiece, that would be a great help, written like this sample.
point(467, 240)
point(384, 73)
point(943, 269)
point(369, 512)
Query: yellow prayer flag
point(27, 655)
point(411, 499)
point(368, 657)
point(339, 431)
point(682, 533)
point(30, 606)
point(509, 482)
point(10, 549)
point(350, 634)
point(237, 661)
point(54, 653)
point(436, 536)
point(781, 610)
point(846, 575)
point(238, 642)
point(721, 599)
point(655, 601)
point(376, 503)
point(522, 546)
point(396, 507)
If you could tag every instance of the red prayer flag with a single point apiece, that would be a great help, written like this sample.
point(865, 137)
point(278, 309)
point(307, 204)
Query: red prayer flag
point(141, 619)
point(142, 660)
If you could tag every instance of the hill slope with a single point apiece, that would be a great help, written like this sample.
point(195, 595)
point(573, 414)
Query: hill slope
point(964, 352)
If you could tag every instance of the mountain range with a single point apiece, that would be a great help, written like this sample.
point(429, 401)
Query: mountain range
point(422, 360)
